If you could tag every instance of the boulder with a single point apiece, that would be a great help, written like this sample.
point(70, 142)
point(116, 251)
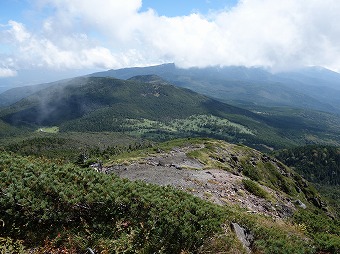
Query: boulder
point(245, 237)
point(300, 204)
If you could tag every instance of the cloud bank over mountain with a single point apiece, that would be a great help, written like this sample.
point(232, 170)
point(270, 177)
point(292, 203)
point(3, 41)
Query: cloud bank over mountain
point(105, 34)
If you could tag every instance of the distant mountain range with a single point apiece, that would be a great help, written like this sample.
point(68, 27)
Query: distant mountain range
point(309, 88)
point(143, 105)
point(147, 106)
point(300, 107)
point(143, 96)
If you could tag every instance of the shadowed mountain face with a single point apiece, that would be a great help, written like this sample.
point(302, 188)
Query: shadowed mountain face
point(53, 105)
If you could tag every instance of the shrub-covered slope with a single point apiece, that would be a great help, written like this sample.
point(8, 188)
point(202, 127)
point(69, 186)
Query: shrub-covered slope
point(65, 208)
point(80, 208)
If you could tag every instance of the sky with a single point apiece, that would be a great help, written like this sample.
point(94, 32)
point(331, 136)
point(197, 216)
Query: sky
point(79, 36)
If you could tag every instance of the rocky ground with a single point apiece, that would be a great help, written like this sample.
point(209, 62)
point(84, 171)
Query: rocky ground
point(175, 168)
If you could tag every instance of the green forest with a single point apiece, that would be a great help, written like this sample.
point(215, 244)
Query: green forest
point(318, 164)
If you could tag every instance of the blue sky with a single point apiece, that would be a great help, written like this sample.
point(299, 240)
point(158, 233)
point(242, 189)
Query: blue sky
point(12, 9)
point(80, 36)
point(180, 7)
point(24, 10)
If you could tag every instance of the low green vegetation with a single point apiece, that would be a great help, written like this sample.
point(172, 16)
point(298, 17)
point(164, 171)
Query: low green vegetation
point(255, 188)
point(80, 208)
point(332, 196)
point(324, 230)
point(8, 131)
point(67, 208)
point(68, 147)
point(194, 125)
point(8, 245)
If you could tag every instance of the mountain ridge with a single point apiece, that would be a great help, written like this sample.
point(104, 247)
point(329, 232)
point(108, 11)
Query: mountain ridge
point(81, 97)
point(150, 107)
point(233, 81)
point(307, 88)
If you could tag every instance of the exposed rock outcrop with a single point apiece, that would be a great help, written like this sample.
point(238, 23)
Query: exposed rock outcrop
point(244, 235)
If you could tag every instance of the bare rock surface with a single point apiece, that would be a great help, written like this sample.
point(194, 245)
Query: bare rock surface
point(245, 237)
point(175, 168)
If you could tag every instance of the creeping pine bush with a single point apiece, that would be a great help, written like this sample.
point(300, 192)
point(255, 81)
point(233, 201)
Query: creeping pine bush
point(255, 188)
point(67, 208)
point(79, 208)
point(324, 230)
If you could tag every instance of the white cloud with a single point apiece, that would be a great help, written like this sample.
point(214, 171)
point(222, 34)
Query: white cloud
point(73, 51)
point(113, 33)
point(5, 72)
point(277, 34)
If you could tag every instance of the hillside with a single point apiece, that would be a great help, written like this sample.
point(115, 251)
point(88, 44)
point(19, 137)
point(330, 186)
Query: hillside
point(146, 107)
point(215, 170)
point(63, 208)
point(70, 146)
point(81, 96)
point(8, 131)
